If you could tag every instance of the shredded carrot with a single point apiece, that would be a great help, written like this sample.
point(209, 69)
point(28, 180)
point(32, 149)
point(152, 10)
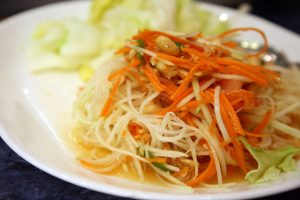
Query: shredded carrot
point(231, 44)
point(190, 105)
point(249, 134)
point(201, 57)
point(151, 75)
point(189, 119)
point(262, 50)
point(176, 101)
point(134, 128)
point(185, 82)
point(212, 126)
point(201, 61)
point(233, 127)
point(235, 121)
point(168, 83)
point(133, 63)
point(175, 60)
point(182, 114)
point(207, 174)
point(227, 122)
point(192, 51)
point(256, 77)
point(207, 96)
point(264, 123)
point(241, 98)
point(229, 116)
point(258, 74)
point(239, 155)
point(195, 37)
point(107, 106)
point(123, 50)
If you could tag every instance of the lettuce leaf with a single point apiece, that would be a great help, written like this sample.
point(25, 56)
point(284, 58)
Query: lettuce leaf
point(124, 19)
point(71, 44)
point(270, 162)
point(168, 15)
point(63, 45)
point(50, 35)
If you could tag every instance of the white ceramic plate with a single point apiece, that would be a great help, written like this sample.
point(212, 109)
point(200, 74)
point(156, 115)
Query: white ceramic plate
point(35, 110)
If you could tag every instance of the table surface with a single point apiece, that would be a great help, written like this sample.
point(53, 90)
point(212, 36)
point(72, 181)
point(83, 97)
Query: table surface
point(19, 180)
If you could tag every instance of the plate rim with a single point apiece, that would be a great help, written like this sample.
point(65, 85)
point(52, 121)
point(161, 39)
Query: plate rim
point(132, 193)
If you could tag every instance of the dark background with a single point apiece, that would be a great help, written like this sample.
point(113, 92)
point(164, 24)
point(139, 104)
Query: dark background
point(19, 180)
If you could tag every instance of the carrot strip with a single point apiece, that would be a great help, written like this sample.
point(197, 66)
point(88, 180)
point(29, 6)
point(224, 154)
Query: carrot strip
point(264, 123)
point(212, 125)
point(189, 119)
point(181, 62)
point(190, 105)
point(231, 44)
point(255, 77)
point(195, 37)
point(134, 128)
point(203, 58)
point(172, 107)
point(232, 115)
point(133, 63)
point(107, 106)
point(256, 73)
point(207, 96)
point(252, 68)
point(254, 135)
point(233, 126)
point(123, 50)
point(168, 83)
point(239, 154)
point(182, 114)
point(231, 31)
point(241, 98)
point(239, 94)
point(185, 82)
point(207, 174)
point(227, 122)
point(192, 51)
point(151, 75)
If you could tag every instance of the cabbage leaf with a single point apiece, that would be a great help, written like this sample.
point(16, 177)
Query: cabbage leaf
point(118, 20)
point(71, 44)
point(270, 162)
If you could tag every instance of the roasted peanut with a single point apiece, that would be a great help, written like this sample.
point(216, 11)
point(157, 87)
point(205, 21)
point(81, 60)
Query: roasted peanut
point(166, 45)
point(167, 70)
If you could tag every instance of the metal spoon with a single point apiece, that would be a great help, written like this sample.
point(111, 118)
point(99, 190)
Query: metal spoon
point(272, 56)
